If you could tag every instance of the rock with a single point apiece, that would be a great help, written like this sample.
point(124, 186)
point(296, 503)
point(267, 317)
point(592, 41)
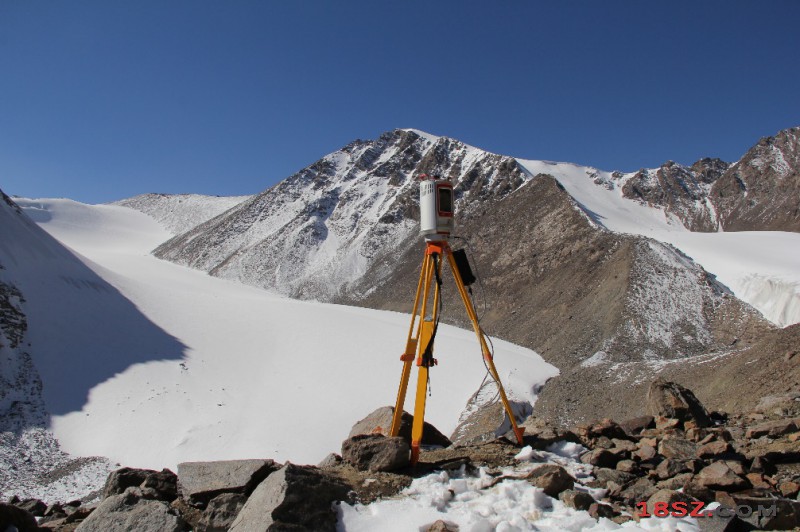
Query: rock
point(623, 445)
point(714, 449)
point(33, 506)
point(634, 426)
point(645, 453)
point(758, 481)
point(669, 497)
point(789, 489)
point(672, 400)
point(380, 422)
point(600, 458)
point(576, 499)
point(293, 498)
point(11, 516)
point(55, 510)
point(629, 466)
point(761, 464)
point(699, 492)
point(675, 483)
point(221, 512)
point(677, 449)
point(720, 476)
point(131, 511)
point(121, 479)
point(605, 475)
point(190, 514)
point(164, 483)
point(669, 468)
point(639, 491)
point(589, 434)
point(551, 478)
point(772, 429)
point(375, 452)
point(199, 482)
point(441, 526)
point(331, 460)
point(598, 510)
point(666, 423)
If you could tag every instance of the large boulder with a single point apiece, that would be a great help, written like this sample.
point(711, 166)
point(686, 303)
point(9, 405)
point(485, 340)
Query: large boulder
point(132, 510)
point(671, 400)
point(293, 498)
point(380, 422)
point(375, 452)
point(199, 482)
point(720, 476)
point(121, 479)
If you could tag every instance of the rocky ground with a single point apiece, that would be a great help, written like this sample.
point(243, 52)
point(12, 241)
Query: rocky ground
point(676, 458)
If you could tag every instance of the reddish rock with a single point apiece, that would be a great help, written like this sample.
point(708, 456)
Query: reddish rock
point(714, 449)
point(720, 476)
point(789, 489)
point(600, 458)
point(663, 423)
point(677, 448)
point(772, 429)
point(758, 481)
point(669, 497)
point(669, 468)
point(598, 510)
point(645, 453)
point(635, 426)
point(672, 400)
point(551, 478)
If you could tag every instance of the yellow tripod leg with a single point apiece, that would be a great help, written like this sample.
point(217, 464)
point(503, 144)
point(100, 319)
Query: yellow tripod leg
point(423, 288)
point(425, 336)
point(422, 395)
point(487, 355)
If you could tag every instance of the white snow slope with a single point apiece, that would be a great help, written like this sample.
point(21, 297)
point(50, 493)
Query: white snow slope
point(200, 368)
point(762, 268)
point(181, 212)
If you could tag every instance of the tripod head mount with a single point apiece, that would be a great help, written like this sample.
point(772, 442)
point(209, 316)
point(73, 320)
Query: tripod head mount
point(435, 208)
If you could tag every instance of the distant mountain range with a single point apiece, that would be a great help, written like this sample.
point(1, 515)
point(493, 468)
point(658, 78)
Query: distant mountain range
point(560, 278)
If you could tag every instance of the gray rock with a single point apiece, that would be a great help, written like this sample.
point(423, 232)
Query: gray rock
point(199, 482)
point(638, 491)
point(331, 460)
point(292, 498)
point(131, 511)
point(677, 449)
point(11, 516)
point(551, 478)
point(380, 422)
point(121, 479)
point(672, 400)
point(605, 475)
point(576, 499)
point(375, 452)
point(221, 512)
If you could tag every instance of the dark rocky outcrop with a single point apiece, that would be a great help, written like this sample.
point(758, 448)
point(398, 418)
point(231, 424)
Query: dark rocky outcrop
point(376, 452)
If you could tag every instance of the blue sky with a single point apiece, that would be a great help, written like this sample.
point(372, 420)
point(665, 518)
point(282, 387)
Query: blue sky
point(104, 100)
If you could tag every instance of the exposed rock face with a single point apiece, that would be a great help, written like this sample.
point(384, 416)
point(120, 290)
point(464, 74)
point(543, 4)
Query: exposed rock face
point(292, 498)
point(221, 512)
point(315, 234)
point(761, 191)
point(202, 481)
point(682, 191)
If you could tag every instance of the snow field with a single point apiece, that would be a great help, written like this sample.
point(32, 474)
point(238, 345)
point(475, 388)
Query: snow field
point(246, 373)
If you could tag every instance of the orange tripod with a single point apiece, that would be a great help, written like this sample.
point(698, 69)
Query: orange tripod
point(420, 342)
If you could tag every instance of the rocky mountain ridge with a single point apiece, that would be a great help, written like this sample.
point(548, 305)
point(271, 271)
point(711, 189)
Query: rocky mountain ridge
point(344, 230)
